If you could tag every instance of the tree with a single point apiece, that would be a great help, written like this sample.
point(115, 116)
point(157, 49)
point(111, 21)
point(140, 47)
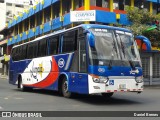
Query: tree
point(141, 20)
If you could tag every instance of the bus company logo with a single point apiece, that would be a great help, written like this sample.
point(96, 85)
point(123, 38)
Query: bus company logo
point(101, 70)
point(61, 62)
point(37, 70)
point(134, 71)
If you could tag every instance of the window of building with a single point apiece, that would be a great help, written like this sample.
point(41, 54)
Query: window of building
point(39, 18)
point(121, 4)
point(79, 3)
point(20, 27)
point(42, 48)
point(115, 4)
point(93, 2)
point(99, 3)
point(53, 45)
point(1, 1)
point(105, 3)
point(9, 13)
point(26, 24)
point(139, 3)
point(158, 8)
point(154, 8)
point(8, 4)
point(21, 6)
point(69, 42)
point(146, 5)
point(32, 22)
point(47, 14)
point(16, 29)
point(66, 6)
point(118, 4)
point(127, 2)
point(56, 10)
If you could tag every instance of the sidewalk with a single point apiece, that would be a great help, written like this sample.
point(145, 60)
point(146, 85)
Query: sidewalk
point(152, 86)
point(3, 76)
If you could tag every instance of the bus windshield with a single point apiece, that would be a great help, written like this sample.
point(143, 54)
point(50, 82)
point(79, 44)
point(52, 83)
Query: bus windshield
point(128, 46)
point(111, 45)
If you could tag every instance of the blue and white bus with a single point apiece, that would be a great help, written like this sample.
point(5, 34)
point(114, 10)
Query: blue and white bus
point(86, 59)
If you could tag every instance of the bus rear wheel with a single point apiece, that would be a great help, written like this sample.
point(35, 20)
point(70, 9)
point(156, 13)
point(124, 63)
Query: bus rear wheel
point(64, 89)
point(21, 87)
point(107, 95)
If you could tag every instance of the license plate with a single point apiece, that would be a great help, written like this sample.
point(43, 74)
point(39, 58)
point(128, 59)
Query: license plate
point(122, 86)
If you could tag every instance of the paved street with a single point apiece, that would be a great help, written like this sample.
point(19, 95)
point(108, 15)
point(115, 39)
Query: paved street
point(12, 99)
point(42, 100)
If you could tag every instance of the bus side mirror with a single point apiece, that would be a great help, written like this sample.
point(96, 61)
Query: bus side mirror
point(91, 40)
point(85, 31)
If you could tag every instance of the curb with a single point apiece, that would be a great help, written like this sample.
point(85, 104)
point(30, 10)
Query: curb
point(3, 77)
point(152, 86)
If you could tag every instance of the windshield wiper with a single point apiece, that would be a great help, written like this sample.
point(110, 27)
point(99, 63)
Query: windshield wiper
point(123, 50)
point(132, 64)
point(111, 60)
point(122, 45)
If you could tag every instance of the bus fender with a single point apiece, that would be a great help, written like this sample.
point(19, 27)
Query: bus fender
point(61, 76)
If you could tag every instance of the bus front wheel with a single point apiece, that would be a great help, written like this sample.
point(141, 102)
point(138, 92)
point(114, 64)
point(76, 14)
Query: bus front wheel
point(107, 95)
point(64, 89)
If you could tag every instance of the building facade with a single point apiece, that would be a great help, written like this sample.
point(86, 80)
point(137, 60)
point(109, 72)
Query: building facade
point(51, 15)
point(9, 10)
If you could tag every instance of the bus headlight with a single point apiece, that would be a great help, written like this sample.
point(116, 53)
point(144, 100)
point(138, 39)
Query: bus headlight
point(139, 79)
point(100, 79)
point(96, 80)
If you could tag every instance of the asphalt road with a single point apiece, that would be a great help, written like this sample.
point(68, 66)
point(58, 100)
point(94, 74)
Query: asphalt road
point(12, 99)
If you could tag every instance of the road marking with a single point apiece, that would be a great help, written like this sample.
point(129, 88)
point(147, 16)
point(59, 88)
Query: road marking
point(6, 98)
point(1, 107)
point(18, 98)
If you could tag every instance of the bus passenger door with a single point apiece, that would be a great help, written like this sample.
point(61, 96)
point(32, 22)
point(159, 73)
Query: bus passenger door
point(79, 78)
point(82, 74)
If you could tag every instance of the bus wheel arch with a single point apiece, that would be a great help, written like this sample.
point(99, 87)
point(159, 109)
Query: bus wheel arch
point(63, 86)
point(19, 81)
point(20, 85)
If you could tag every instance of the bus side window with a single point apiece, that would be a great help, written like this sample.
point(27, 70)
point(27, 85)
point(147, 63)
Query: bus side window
point(53, 45)
point(14, 54)
point(20, 53)
point(69, 42)
point(80, 32)
point(82, 55)
point(42, 45)
point(24, 51)
point(17, 53)
point(32, 50)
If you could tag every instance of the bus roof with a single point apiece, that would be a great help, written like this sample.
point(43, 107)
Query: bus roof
point(85, 26)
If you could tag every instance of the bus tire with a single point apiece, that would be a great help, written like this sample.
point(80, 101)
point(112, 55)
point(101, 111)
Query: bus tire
point(21, 87)
point(64, 88)
point(107, 95)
